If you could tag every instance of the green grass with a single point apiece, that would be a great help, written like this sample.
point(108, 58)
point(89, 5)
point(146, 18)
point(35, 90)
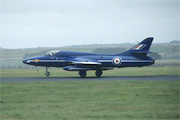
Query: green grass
point(90, 100)
point(58, 72)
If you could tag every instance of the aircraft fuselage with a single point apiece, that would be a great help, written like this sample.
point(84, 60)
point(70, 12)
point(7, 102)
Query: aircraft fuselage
point(105, 60)
point(82, 62)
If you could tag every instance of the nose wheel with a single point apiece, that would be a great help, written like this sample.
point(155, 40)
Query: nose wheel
point(47, 72)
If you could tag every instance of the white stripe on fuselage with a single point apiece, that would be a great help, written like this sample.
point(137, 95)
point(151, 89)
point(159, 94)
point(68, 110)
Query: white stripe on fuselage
point(105, 60)
point(47, 61)
point(136, 61)
point(127, 61)
point(109, 61)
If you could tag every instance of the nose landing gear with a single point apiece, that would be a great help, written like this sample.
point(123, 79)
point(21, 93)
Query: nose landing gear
point(47, 72)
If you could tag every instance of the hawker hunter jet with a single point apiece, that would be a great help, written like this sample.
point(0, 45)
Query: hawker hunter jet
point(82, 62)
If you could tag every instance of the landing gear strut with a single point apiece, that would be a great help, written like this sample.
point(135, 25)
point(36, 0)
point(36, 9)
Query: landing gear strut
point(47, 72)
point(82, 74)
point(98, 73)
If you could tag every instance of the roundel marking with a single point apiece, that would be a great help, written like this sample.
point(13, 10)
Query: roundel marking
point(117, 60)
point(36, 60)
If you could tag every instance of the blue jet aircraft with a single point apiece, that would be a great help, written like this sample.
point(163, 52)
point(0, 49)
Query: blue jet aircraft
point(82, 62)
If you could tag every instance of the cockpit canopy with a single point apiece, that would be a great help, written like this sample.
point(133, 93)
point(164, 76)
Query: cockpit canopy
point(59, 53)
point(52, 53)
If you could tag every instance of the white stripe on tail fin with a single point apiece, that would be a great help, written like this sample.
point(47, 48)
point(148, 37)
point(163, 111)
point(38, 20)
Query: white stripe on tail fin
point(139, 47)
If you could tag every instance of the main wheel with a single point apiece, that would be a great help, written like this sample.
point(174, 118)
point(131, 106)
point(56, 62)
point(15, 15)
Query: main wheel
point(47, 73)
point(82, 74)
point(98, 73)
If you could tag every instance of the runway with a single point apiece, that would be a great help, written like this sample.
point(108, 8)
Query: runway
point(119, 78)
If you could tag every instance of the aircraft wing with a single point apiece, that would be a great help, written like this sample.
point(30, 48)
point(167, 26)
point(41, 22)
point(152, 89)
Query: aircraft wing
point(83, 64)
point(82, 61)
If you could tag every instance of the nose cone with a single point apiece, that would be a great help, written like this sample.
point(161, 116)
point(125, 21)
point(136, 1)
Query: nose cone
point(25, 61)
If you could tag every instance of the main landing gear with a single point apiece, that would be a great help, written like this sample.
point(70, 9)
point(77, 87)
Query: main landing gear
point(83, 73)
point(98, 73)
point(47, 72)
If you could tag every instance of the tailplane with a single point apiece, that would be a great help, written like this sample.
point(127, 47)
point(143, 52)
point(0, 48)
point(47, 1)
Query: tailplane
point(140, 49)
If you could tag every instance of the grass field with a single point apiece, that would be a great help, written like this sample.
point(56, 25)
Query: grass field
point(59, 72)
point(90, 100)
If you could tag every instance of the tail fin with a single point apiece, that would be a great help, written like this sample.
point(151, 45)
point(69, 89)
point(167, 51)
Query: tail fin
point(140, 49)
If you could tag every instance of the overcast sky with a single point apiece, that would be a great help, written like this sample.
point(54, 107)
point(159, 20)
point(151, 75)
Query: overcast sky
point(56, 23)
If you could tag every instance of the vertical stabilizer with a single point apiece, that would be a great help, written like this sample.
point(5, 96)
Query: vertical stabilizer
point(140, 49)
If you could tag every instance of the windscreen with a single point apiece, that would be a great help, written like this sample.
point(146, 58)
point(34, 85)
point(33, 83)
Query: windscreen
point(52, 53)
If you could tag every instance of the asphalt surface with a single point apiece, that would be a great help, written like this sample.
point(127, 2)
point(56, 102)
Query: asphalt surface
point(131, 78)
